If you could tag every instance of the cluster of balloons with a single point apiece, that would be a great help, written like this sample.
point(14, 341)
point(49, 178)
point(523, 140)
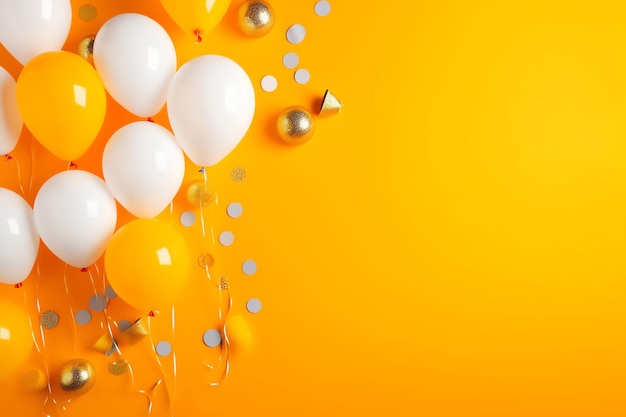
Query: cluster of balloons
point(61, 99)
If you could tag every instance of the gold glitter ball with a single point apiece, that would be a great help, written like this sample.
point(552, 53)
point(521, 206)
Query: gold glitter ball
point(85, 48)
point(49, 319)
point(238, 174)
point(256, 18)
point(118, 367)
point(296, 125)
point(199, 194)
point(77, 376)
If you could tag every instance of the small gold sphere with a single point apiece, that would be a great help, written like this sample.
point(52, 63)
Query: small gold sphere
point(77, 376)
point(85, 48)
point(199, 194)
point(256, 18)
point(296, 125)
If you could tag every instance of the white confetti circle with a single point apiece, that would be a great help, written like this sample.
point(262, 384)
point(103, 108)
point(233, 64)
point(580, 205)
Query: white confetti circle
point(227, 238)
point(302, 76)
point(296, 34)
point(269, 83)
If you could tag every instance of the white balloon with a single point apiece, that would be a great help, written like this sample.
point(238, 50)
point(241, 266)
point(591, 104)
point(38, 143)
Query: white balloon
point(144, 167)
point(210, 106)
point(19, 240)
point(75, 215)
point(136, 60)
point(31, 27)
point(10, 119)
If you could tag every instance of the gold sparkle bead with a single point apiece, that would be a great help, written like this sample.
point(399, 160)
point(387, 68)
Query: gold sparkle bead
point(330, 104)
point(256, 18)
point(85, 48)
point(49, 319)
point(296, 125)
point(34, 380)
point(199, 194)
point(77, 376)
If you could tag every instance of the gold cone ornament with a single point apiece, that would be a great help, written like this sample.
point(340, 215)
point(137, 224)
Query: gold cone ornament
point(330, 104)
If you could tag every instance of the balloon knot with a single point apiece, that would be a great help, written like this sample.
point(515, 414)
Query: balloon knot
point(198, 37)
point(18, 285)
point(7, 158)
point(151, 314)
point(84, 270)
point(73, 165)
point(150, 119)
point(201, 170)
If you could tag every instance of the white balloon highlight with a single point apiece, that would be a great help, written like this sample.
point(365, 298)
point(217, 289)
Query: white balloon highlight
point(136, 60)
point(31, 27)
point(210, 105)
point(19, 240)
point(75, 215)
point(144, 168)
point(10, 119)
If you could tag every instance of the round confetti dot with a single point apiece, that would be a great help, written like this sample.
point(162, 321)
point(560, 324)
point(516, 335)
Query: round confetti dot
point(83, 317)
point(206, 260)
point(249, 267)
point(302, 76)
point(238, 174)
point(227, 238)
point(322, 8)
point(212, 338)
point(118, 367)
point(291, 60)
point(187, 219)
point(234, 210)
point(296, 33)
point(87, 12)
point(123, 325)
point(253, 305)
point(163, 348)
point(49, 319)
point(98, 303)
point(110, 292)
point(269, 83)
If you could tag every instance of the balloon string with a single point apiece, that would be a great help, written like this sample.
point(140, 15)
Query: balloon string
point(174, 360)
point(163, 379)
point(69, 299)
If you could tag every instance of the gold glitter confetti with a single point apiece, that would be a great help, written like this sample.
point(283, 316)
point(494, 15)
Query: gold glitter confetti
point(330, 104)
point(77, 375)
point(49, 319)
point(199, 194)
point(256, 18)
point(223, 283)
point(206, 260)
point(118, 367)
point(87, 12)
point(238, 174)
point(296, 125)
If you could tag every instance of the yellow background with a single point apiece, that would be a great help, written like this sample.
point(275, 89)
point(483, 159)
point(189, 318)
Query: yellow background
point(450, 244)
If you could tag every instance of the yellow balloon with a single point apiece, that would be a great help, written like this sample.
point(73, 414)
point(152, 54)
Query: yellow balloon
point(62, 102)
point(147, 263)
point(196, 16)
point(15, 338)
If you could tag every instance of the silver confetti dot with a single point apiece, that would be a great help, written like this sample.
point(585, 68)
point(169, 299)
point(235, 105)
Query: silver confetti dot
point(249, 267)
point(302, 76)
point(98, 303)
point(163, 348)
point(123, 325)
point(291, 60)
point(296, 33)
point(212, 338)
point(227, 238)
point(110, 292)
point(83, 317)
point(253, 305)
point(234, 210)
point(187, 219)
point(322, 8)
point(269, 83)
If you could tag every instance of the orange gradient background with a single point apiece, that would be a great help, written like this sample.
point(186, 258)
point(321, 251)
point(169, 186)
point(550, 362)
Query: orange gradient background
point(451, 244)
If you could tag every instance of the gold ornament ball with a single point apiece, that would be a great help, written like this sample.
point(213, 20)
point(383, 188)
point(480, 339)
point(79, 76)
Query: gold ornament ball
point(256, 18)
point(296, 125)
point(77, 376)
point(85, 48)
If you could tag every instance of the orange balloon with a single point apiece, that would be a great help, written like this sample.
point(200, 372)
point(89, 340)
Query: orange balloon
point(147, 263)
point(62, 102)
point(16, 340)
point(196, 16)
